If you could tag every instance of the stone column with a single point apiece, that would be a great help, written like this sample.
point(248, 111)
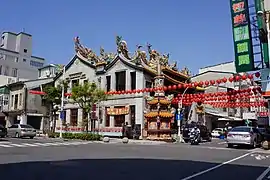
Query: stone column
point(128, 80)
point(80, 117)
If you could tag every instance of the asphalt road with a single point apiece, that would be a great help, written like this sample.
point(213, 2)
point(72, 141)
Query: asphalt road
point(123, 161)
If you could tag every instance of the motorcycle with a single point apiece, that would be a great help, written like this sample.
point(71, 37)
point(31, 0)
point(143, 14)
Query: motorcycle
point(194, 138)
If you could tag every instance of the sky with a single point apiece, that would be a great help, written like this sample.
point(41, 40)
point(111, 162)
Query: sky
point(196, 33)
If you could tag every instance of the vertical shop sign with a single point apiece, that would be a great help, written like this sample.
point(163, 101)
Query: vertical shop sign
point(244, 60)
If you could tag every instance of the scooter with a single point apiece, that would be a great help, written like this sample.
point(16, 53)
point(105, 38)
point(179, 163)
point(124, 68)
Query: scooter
point(194, 138)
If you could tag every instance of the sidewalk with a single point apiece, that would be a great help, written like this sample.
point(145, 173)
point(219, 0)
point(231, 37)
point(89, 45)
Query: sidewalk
point(134, 141)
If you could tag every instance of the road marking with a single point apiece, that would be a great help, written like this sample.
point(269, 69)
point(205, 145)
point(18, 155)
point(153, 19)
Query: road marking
point(41, 144)
point(4, 145)
point(215, 167)
point(17, 145)
point(264, 174)
point(27, 144)
point(222, 143)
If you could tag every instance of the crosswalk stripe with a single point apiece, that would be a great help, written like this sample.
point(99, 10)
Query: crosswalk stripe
point(41, 144)
point(50, 144)
point(10, 145)
point(5, 145)
point(27, 144)
point(17, 145)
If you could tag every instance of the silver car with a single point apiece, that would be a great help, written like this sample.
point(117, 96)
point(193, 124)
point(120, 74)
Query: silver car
point(21, 130)
point(243, 135)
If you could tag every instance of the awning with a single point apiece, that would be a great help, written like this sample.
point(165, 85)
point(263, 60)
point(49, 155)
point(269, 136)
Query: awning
point(216, 114)
point(230, 119)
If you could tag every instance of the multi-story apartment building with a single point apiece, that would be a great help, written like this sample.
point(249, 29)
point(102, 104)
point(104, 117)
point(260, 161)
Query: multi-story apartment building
point(16, 58)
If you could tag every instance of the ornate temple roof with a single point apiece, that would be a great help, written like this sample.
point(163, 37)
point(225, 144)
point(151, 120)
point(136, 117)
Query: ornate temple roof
point(143, 60)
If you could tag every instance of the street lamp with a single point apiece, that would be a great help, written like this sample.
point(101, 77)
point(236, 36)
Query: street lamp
point(62, 103)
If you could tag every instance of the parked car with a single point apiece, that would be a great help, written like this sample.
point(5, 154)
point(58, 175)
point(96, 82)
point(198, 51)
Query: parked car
point(21, 130)
point(205, 133)
point(3, 131)
point(217, 132)
point(244, 135)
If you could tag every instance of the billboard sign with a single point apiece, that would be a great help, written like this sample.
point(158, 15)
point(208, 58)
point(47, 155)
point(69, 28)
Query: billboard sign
point(244, 60)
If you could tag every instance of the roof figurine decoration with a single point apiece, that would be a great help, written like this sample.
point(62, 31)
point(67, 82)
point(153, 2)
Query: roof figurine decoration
point(147, 60)
point(85, 52)
point(106, 57)
point(122, 47)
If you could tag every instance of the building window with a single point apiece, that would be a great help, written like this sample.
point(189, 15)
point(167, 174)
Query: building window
point(108, 83)
point(16, 59)
point(107, 118)
point(133, 80)
point(5, 100)
point(73, 117)
point(24, 60)
point(85, 115)
point(74, 82)
point(20, 99)
point(1, 69)
point(132, 115)
point(14, 72)
point(36, 64)
point(25, 50)
point(224, 109)
point(119, 120)
point(85, 81)
point(12, 101)
point(16, 99)
point(120, 78)
point(6, 72)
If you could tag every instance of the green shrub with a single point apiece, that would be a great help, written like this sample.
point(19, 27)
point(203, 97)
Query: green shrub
point(81, 136)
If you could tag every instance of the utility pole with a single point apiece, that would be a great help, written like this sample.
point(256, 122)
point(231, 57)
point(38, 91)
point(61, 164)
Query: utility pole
point(62, 104)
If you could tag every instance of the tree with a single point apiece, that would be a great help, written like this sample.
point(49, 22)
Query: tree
point(53, 97)
point(86, 95)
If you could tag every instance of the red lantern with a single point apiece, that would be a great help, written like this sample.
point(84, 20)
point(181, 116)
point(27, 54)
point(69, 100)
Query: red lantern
point(195, 84)
point(250, 76)
point(206, 83)
point(218, 81)
point(237, 78)
point(257, 74)
point(165, 88)
point(201, 83)
point(179, 86)
point(185, 86)
point(231, 79)
point(212, 82)
point(169, 87)
point(174, 87)
point(244, 77)
point(224, 80)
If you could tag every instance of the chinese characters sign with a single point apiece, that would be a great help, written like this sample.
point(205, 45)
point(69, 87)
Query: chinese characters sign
point(242, 36)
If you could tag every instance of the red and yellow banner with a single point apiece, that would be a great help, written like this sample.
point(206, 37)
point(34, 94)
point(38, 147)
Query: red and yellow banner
point(118, 111)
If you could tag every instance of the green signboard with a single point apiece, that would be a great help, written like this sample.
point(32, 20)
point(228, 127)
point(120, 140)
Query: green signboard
point(244, 60)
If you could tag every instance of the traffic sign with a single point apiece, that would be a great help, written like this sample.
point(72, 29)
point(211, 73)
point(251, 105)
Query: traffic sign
point(62, 115)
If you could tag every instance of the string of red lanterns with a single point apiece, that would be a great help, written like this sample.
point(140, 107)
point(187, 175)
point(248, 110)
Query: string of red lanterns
point(225, 99)
point(174, 87)
point(206, 83)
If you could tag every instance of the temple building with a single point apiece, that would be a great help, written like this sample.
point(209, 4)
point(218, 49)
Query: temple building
point(120, 71)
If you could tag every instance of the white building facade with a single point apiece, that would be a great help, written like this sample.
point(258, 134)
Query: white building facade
point(16, 59)
point(114, 72)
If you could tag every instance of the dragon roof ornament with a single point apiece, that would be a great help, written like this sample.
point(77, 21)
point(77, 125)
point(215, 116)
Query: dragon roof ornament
point(148, 59)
